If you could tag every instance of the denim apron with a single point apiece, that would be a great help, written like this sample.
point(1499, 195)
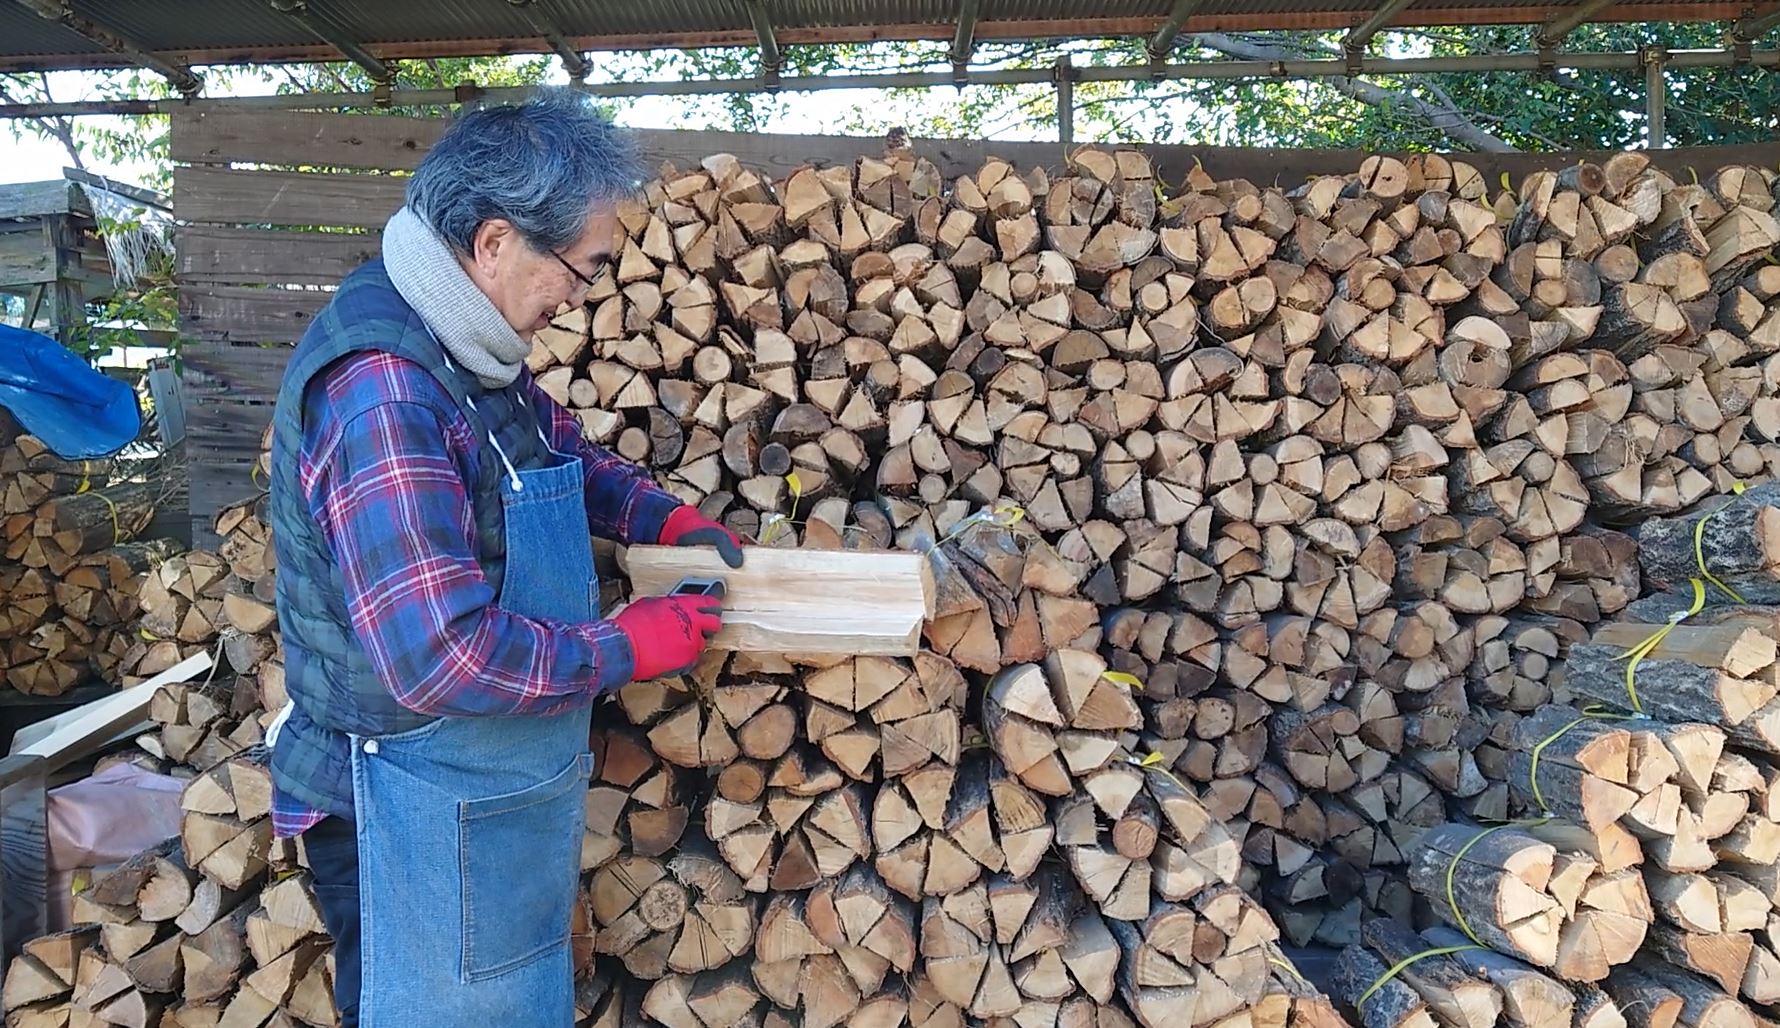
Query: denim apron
point(469, 828)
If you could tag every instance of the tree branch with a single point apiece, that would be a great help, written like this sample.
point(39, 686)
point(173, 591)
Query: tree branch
point(1449, 121)
point(59, 129)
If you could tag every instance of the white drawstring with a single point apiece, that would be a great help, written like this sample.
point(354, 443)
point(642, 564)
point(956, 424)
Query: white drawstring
point(536, 426)
point(512, 472)
point(274, 729)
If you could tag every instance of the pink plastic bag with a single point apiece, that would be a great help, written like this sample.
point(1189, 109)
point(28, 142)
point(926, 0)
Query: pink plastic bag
point(101, 821)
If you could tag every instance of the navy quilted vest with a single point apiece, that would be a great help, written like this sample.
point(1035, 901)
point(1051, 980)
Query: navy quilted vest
point(327, 674)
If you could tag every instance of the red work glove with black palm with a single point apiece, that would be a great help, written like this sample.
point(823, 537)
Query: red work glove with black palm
point(667, 633)
point(687, 527)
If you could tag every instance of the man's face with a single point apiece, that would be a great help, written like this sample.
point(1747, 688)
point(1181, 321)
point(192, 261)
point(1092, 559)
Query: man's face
point(528, 285)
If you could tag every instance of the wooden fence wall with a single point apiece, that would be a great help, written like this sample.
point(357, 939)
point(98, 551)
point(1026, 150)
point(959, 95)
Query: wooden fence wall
point(263, 236)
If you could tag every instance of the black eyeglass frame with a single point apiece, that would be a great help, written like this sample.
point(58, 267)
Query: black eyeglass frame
point(605, 266)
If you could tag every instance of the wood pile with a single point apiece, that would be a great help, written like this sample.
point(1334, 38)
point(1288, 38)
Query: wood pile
point(1625, 856)
point(214, 601)
point(1271, 527)
point(217, 927)
point(1342, 471)
point(817, 842)
point(70, 565)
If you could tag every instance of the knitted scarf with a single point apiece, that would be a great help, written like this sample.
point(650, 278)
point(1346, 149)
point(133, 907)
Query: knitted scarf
point(464, 320)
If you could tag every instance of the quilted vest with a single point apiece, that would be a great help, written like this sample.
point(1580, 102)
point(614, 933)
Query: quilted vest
point(328, 676)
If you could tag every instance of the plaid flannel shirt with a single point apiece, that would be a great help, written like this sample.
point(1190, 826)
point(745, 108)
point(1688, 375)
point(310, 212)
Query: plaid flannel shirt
point(388, 491)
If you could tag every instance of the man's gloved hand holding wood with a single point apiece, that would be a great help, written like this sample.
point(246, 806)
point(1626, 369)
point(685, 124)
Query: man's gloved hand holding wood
point(667, 633)
point(687, 527)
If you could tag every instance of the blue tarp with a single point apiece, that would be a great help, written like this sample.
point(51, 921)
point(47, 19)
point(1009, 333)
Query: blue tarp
point(78, 412)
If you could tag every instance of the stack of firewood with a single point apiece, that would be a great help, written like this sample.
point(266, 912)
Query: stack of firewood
point(70, 567)
point(1622, 865)
point(207, 601)
point(1262, 520)
point(819, 842)
point(217, 927)
point(810, 841)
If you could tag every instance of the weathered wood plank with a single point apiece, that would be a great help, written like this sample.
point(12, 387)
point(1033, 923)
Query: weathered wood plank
point(26, 257)
point(36, 199)
point(217, 254)
point(248, 374)
point(222, 443)
point(303, 139)
point(236, 196)
point(245, 314)
point(307, 139)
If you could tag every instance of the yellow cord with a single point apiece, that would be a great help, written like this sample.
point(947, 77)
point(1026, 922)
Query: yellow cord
point(1636, 654)
point(1404, 963)
point(1153, 762)
point(1699, 555)
point(1286, 966)
point(1006, 516)
point(117, 533)
point(1451, 900)
point(1589, 714)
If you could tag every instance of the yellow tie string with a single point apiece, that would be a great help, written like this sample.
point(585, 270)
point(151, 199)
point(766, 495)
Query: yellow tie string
point(1636, 654)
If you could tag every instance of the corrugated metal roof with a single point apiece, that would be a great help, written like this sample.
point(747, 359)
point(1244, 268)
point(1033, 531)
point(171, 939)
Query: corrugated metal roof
point(234, 31)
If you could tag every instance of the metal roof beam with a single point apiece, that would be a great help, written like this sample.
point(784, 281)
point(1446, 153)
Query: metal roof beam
point(964, 40)
point(1557, 28)
point(441, 42)
point(1163, 41)
point(541, 23)
point(322, 29)
point(1357, 38)
point(188, 82)
point(1752, 27)
point(770, 58)
point(1204, 70)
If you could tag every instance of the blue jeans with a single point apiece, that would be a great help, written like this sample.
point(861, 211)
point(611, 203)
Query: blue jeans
point(332, 847)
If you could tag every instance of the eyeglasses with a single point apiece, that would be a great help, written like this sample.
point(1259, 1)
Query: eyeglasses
point(604, 266)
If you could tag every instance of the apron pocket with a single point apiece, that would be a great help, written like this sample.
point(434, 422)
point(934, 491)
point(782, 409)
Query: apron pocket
point(520, 855)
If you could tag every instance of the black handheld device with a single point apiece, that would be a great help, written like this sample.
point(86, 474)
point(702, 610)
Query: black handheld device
point(699, 587)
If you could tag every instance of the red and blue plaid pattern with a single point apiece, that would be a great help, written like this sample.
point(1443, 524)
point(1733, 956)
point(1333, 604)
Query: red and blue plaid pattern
point(387, 487)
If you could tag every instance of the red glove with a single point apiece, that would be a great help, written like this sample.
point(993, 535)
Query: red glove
point(667, 633)
point(687, 527)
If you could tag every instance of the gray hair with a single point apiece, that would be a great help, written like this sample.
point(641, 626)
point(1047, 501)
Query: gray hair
point(544, 165)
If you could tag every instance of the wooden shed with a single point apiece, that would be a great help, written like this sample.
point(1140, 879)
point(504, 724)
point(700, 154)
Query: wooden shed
point(56, 256)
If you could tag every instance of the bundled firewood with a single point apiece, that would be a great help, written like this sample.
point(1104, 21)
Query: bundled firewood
point(70, 566)
point(1441, 977)
point(1524, 897)
point(1643, 813)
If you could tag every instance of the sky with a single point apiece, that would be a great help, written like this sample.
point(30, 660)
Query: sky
point(31, 158)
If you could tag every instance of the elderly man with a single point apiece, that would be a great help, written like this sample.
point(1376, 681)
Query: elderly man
point(443, 643)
